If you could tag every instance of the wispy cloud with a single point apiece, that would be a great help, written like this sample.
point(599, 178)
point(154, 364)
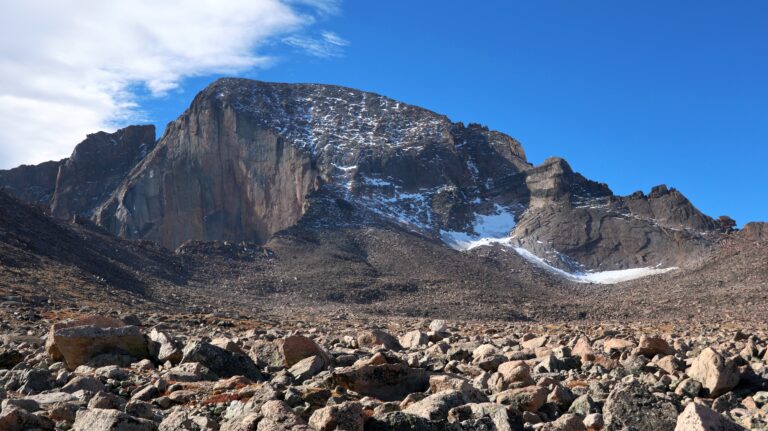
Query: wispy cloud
point(70, 67)
point(325, 45)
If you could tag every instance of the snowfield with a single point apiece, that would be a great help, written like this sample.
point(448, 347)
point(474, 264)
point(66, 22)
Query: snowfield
point(495, 229)
point(599, 277)
point(489, 229)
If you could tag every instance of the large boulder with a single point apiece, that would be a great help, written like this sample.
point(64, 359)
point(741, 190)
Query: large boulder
point(110, 420)
point(298, 347)
point(503, 418)
point(630, 405)
point(79, 344)
point(13, 418)
point(221, 362)
point(402, 421)
point(443, 382)
point(95, 320)
point(414, 339)
point(530, 398)
point(436, 406)
point(375, 338)
point(650, 346)
point(388, 382)
point(698, 417)
point(347, 416)
point(717, 374)
point(162, 347)
point(268, 353)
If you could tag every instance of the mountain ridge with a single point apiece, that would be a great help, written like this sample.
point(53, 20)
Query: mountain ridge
point(248, 159)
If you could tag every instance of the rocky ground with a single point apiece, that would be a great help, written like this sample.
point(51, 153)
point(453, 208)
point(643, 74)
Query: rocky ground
point(97, 369)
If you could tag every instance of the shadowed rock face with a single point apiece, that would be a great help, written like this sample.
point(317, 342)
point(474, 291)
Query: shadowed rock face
point(248, 159)
point(96, 167)
point(33, 184)
point(579, 224)
point(75, 186)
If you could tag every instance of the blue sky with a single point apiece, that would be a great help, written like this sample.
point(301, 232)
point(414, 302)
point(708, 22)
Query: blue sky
point(633, 94)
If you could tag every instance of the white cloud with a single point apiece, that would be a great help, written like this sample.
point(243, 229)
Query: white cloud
point(328, 45)
point(67, 67)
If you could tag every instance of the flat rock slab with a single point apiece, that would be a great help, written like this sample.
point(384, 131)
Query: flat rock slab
point(79, 344)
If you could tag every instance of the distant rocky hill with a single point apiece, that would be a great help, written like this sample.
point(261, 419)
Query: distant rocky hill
point(251, 159)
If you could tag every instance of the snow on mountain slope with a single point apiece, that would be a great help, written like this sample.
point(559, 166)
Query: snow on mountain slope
point(598, 277)
point(488, 229)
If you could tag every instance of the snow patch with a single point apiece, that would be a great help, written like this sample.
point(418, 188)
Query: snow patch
point(600, 277)
point(488, 229)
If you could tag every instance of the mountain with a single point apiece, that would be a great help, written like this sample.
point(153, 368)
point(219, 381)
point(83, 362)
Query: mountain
point(252, 161)
point(75, 186)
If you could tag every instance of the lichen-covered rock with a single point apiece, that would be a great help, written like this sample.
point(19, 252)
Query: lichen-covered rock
point(13, 418)
point(387, 382)
point(530, 398)
point(221, 362)
point(110, 420)
point(436, 406)
point(628, 406)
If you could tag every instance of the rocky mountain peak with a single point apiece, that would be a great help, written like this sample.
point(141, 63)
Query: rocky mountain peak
point(249, 159)
point(96, 167)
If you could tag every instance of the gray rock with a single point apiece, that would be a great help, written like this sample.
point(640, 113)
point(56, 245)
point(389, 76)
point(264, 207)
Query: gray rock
point(414, 339)
point(697, 417)
point(628, 406)
point(402, 421)
point(110, 420)
point(436, 406)
point(86, 383)
point(36, 380)
point(13, 418)
point(584, 405)
point(162, 347)
point(221, 362)
point(347, 416)
point(106, 400)
point(386, 382)
point(306, 368)
point(503, 419)
point(146, 393)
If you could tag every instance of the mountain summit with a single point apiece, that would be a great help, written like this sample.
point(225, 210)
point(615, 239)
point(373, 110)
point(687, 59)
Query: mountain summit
point(252, 161)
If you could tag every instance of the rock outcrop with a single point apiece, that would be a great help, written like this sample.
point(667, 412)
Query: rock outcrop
point(33, 184)
point(75, 186)
point(96, 167)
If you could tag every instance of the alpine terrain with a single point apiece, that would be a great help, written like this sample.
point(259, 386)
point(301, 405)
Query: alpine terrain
point(315, 257)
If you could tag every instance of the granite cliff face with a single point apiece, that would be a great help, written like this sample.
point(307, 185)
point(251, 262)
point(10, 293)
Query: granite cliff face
point(75, 186)
point(33, 184)
point(96, 167)
point(249, 159)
